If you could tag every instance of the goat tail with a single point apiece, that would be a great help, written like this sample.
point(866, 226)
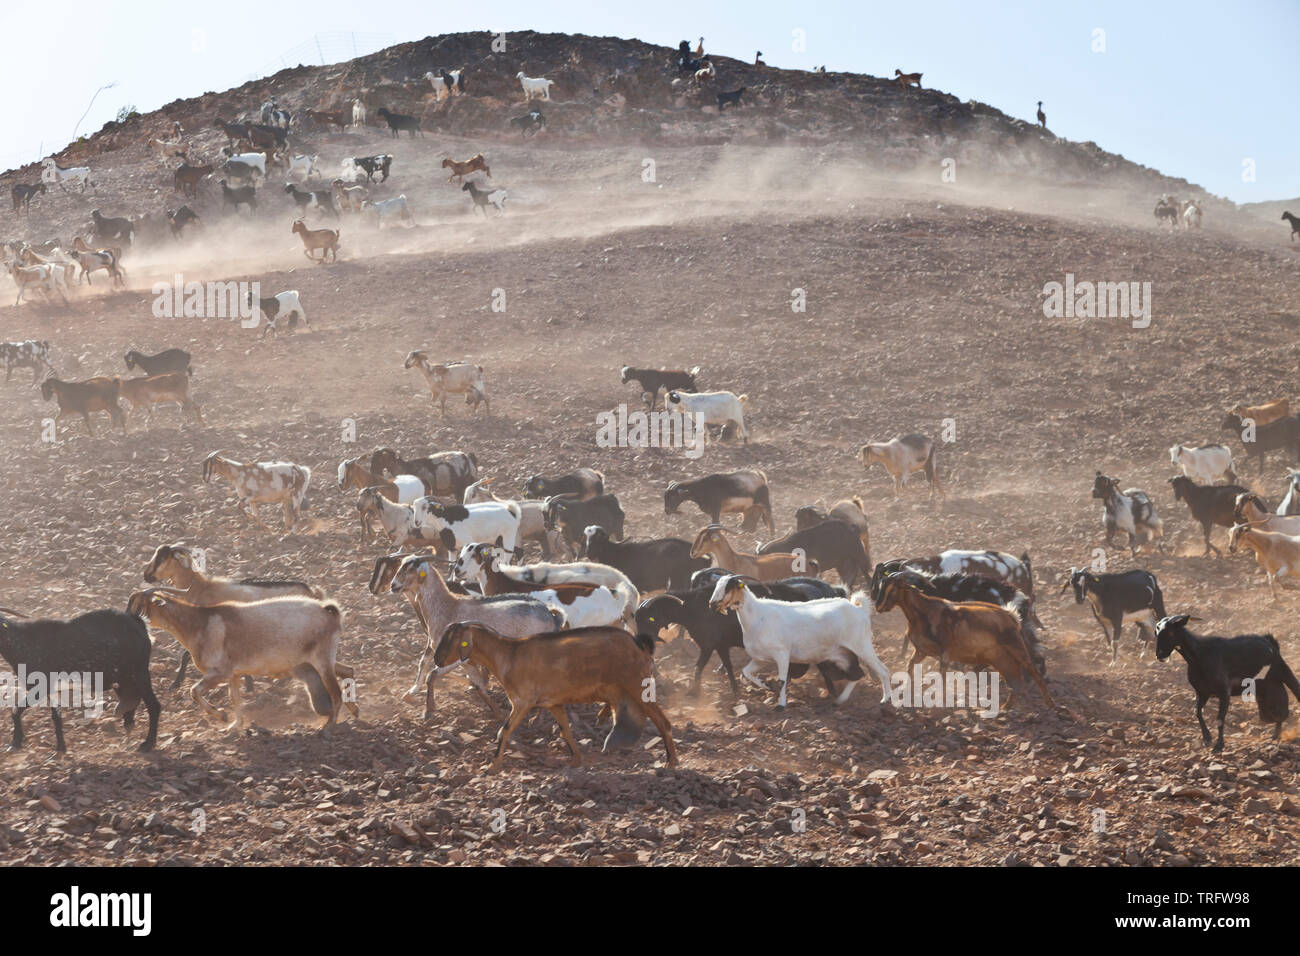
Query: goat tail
point(301, 481)
point(513, 508)
point(860, 598)
point(333, 610)
point(742, 399)
point(1285, 675)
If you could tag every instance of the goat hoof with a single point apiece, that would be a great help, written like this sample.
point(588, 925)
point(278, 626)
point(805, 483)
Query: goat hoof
point(14, 748)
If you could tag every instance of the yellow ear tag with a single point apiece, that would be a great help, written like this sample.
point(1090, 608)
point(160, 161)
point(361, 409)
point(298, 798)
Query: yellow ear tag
point(464, 643)
point(423, 575)
point(740, 585)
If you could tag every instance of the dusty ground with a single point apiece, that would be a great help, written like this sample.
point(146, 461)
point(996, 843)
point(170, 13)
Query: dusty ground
point(923, 305)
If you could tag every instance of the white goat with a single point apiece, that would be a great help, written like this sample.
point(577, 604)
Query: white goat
point(440, 91)
point(1204, 463)
point(451, 378)
point(534, 86)
point(532, 517)
point(388, 209)
point(303, 165)
point(1291, 503)
point(53, 174)
point(470, 567)
point(718, 408)
point(256, 160)
point(834, 630)
point(358, 113)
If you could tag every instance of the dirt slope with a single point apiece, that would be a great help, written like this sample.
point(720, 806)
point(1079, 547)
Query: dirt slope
point(924, 304)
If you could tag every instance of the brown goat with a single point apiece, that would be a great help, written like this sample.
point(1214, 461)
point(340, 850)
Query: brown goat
point(187, 178)
point(164, 389)
point(589, 665)
point(970, 632)
point(98, 394)
point(1264, 414)
point(326, 240)
point(907, 79)
point(765, 567)
point(461, 169)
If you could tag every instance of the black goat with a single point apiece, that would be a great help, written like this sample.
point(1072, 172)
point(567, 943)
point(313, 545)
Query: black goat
point(732, 98)
point(653, 380)
point(661, 564)
point(573, 517)
point(168, 360)
point(813, 588)
point(322, 199)
point(112, 645)
point(22, 195)
point(716, 633)
point(850, 511)
point(123, 230)
point(1117, 599)
point(1283, 435)
point(245, 195)
point(1295, 224)
point(581, 483)
point(400, 121)
point(737, 491)
point(530, 122)
point(179, 220)
point(1224, 667)
point(374, 164)
point(1210, 504)
point(832, 544)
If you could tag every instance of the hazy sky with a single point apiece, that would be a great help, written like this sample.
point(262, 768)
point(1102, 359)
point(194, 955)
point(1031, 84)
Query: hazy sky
point(1190, 87)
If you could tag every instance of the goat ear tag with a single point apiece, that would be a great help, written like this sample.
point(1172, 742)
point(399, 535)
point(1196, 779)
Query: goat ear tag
point(423, 575)
point(464, 644)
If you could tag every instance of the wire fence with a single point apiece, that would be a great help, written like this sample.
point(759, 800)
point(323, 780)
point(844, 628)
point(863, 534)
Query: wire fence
point(323, 49)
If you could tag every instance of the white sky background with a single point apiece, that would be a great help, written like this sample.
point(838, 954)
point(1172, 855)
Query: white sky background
point(1191, 88)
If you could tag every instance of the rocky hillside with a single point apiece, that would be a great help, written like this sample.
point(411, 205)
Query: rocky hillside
point(610, 90)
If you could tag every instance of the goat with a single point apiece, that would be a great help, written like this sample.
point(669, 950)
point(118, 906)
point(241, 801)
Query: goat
point(1276, 553)
point(712, 543)
point(22, 195)
point(164, 389)
point(400, 121)
point(186, 179)
point(245, 195)
point(485, 564)
point(286, 306)
point(529, 123)
point(515, 614)
point(371, 165)
point(1224, 667)
point(836, 630)
point(109, 644)
point(446, 473)
point(1263, 414)
point(451, 378)
point(112, 228)
point(1166, 209)
point(275, 637)
point(483, 197)
point(731, 98)
point(1191, 214)
point(1295, 224)
point(1206, 463)
point(1117, 599)
point(664, 563)
point(717, 633)
point(705, 73)
point(31, 354)
point(309, 199)
point(349, 198)
point(169, 150)
point(745, 492)
point(1130, 511)
point(901, 457)
point(594, 664)
point(979, 635)
point(440, 91)
point(572, 516)
point(1251, 509)
point(581, 483)
point(534, 86)
point(459, 170)
point(177, 567)
point(831, 544)
point(998, 565)
point(303, 165)
point(652, 380)
point(1042, 117)
point(340, 118)
point(850, 512)
point(717, 408)
point(326, 240)
point(48, 278)
point(180, 220)
point(168, 360)
point(1290, 504)
point(263, 481)
point(1210, 504)
point(81, 398)
point(532, 518)
point(911, 79)
point(54, 174)
point(1281, 434)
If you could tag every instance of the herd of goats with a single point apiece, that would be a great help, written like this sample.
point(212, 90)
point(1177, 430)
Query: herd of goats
point(580, 625)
